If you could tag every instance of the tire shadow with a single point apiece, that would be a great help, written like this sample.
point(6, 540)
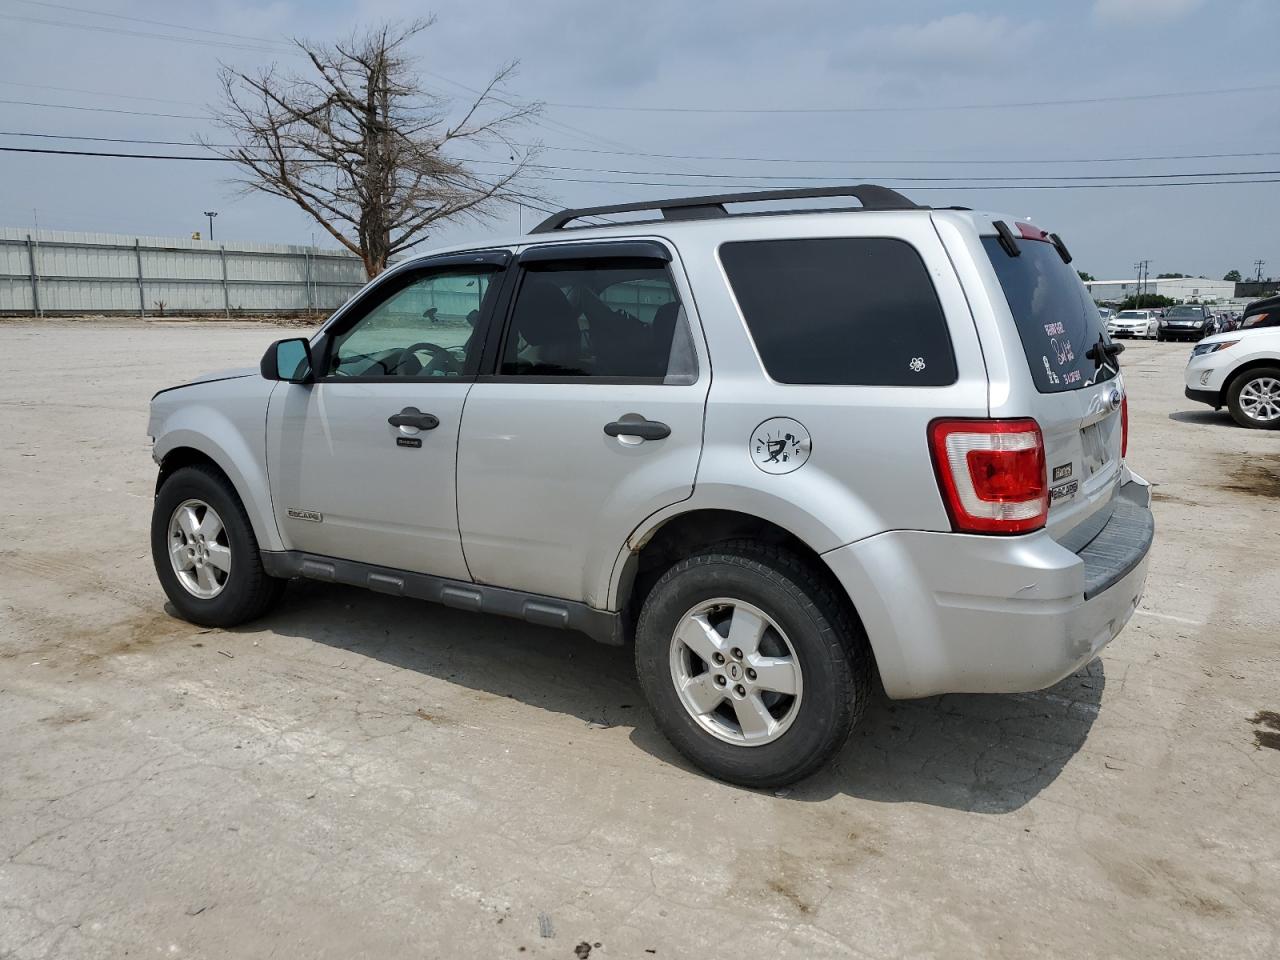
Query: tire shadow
point(980, 753)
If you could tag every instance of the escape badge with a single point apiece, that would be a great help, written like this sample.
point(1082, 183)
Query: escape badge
point(780, 445)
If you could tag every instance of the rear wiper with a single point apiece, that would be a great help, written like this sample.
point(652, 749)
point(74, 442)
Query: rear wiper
point(1102, 352)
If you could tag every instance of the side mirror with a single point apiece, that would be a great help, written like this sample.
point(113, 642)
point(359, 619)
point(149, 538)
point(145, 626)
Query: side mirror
point(288, 360)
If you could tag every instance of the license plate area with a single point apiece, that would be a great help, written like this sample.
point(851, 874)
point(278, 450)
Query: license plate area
point(1094, 448)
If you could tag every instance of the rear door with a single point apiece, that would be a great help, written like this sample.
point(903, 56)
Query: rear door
point(1078, 390)
point(589, 420)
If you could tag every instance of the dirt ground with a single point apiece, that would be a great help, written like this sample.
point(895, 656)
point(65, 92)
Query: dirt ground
point(363, 776)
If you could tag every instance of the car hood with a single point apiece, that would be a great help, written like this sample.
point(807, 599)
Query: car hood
point(234, 373)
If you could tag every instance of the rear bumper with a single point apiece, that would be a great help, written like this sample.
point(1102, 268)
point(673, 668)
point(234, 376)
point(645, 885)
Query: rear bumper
point(955, 613)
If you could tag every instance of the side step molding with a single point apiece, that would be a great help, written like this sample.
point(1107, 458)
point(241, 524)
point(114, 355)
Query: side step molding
point(599, 625)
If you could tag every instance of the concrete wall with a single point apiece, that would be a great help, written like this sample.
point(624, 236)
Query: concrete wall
point(54, 272)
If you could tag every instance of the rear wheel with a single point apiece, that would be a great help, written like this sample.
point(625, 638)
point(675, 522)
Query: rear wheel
point(205, 553)
point(752, 664)
point(1254, 398)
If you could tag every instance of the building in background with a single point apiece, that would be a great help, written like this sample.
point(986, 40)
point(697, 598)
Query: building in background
point(1182, 289)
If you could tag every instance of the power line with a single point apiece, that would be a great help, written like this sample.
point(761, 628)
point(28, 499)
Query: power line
point(908, 160)
point(154, 23)
point(644, 183)
point(103, 28)
point(98, 93)
point(925, 108)
point(798, 160)
point(131, 113)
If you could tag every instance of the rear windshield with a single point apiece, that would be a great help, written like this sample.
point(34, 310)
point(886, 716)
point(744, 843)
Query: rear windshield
point(1056, 319)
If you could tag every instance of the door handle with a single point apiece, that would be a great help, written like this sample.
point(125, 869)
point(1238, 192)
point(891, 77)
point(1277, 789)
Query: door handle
point(413, 417)
point(634, 425)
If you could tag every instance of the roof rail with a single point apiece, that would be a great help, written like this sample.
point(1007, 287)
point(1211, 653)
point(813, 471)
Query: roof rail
point(871, 196)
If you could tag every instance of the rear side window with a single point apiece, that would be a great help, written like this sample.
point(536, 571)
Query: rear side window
point(1057, 322)
point(845, 310)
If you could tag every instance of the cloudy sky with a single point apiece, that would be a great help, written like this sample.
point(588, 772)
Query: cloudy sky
point(852, 91)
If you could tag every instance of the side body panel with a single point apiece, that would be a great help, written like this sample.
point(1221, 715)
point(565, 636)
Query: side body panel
point(869, 469)
point(356, 492)
point(545, 497)
point(226, 421)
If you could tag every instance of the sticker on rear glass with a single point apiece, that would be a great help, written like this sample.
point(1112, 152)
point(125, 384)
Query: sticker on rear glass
point(780, 445)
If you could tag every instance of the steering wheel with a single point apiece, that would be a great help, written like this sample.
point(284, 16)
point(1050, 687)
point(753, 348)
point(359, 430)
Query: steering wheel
point(442, 361)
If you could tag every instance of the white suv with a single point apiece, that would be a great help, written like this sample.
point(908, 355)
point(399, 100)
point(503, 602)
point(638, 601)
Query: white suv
point(1239, 370)
point(1134, 323)
point(782, 453)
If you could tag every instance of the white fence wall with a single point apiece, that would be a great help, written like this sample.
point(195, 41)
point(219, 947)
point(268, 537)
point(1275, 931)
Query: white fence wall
point(52, 272)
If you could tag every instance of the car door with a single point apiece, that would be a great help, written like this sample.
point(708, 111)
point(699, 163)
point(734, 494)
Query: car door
point(362, 459)
point(589, 419)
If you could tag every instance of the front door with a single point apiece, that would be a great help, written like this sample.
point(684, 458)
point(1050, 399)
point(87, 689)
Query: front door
point(590, 420)
point(362, 460)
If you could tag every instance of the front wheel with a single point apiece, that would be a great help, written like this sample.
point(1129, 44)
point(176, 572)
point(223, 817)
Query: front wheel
point(752, 664)
point(1254, 398)
point(205, 552)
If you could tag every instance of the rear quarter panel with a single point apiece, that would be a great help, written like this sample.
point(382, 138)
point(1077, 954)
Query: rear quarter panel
point(870, 468)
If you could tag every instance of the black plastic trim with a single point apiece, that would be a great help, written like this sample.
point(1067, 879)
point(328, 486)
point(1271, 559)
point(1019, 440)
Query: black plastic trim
point(870, 195)
point(1061, 247)
point(599, 625)
point(1008, 242)
point(1122, 544)
point(611, 250)
point(1210, 397)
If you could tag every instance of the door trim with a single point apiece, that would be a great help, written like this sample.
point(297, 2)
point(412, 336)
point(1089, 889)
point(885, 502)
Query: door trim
point(600, 625)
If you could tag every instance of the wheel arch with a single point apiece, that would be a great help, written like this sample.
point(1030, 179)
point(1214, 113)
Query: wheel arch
point(184, 448)
point(667, 539)
point(1230, 381)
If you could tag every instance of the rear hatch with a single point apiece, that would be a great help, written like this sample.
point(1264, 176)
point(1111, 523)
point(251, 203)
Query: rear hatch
point(1078, 387)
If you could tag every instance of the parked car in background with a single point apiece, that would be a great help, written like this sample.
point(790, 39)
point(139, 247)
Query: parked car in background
point(1106, 313)
point(1188, 321)
point(1133, 323)
point(1240, 371)
point(1261, 313)
point(693, 433)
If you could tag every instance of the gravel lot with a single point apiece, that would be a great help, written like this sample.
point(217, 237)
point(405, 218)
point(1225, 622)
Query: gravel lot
point(365, 776)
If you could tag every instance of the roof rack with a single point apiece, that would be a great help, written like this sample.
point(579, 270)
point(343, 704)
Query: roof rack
point(870, 195)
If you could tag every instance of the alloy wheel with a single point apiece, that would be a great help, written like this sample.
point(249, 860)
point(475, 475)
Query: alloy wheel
point(1260, 399)
point(199, 549)
point(735, 671)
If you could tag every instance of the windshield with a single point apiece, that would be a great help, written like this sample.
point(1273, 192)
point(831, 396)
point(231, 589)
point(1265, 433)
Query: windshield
point(1056, 320)
point(1186, 312)
point(1132, 315)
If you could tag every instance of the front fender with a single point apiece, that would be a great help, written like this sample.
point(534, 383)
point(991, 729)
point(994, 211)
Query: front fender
point(230, 431)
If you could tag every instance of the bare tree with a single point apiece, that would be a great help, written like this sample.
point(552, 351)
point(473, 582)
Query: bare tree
point(365, 149)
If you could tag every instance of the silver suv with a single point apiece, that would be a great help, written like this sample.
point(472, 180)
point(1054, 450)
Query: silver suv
point(781, 453)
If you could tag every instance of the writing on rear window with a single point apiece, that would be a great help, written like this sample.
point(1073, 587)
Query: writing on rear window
point(1056, 320)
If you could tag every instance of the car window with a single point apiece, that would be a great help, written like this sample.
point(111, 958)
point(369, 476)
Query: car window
point(425, 326)
point(848, 310)
point(615, 319)
point(1054, 315)
point(1184, 313)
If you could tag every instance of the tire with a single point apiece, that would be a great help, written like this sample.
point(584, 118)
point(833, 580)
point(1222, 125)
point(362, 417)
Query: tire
point(813, 628)
point(239, 594)
point(1159, 337)
point(1243, 398)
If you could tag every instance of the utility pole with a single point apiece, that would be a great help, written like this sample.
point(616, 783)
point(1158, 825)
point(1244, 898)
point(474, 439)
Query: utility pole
point(1258, 265)
point(1142, 269)
point(211, 214)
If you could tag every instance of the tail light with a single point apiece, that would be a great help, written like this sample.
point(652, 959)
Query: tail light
point(991, 474)
point(1124, 426)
